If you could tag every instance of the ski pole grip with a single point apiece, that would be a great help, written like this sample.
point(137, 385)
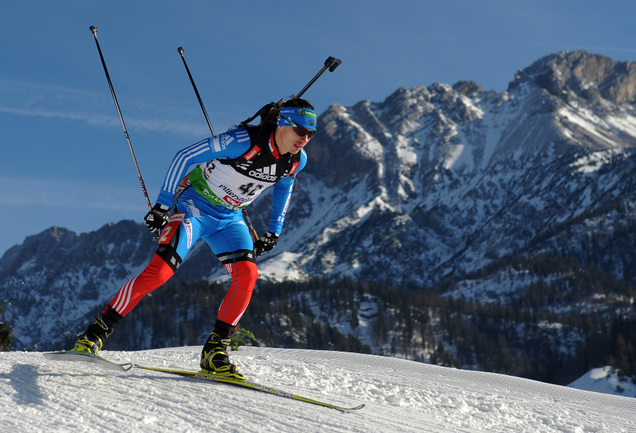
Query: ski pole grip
point(332, 63)
point(335, 64)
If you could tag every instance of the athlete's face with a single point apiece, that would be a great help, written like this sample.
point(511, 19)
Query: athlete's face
point(291, 139)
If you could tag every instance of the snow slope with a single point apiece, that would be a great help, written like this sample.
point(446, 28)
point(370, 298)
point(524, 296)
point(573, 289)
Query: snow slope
point(606, 380)
point(400, 396)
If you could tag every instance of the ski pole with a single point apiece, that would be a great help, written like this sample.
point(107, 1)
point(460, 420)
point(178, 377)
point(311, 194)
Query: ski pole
point(330, 64)
point(250, 227)
point(93, 29)
point(246, 217)
point(194, 86)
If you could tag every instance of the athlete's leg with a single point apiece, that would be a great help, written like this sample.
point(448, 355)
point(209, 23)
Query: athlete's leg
point(239, 262)
point(234, 247)
point(244, 274)
point(167, 259)
point(175, 242)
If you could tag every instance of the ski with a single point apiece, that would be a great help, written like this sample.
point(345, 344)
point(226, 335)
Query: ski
point(72, 355)
point(245, 383)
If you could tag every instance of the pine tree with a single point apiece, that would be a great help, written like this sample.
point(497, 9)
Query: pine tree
point(6, 331)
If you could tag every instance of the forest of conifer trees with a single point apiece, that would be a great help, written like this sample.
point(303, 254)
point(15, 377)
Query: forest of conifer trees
point(551, 332)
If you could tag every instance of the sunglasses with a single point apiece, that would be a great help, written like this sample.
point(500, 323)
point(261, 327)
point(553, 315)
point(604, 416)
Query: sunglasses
point(299, 130)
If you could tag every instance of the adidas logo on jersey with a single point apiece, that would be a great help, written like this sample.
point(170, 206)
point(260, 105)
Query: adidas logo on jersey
point(267, 174)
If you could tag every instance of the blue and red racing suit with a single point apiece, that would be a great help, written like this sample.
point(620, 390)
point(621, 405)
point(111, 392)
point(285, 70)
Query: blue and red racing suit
point(231, 170)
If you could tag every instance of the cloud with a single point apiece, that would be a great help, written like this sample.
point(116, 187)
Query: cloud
point(22, 98)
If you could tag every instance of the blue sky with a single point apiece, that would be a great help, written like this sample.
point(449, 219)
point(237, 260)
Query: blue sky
point(65, 161)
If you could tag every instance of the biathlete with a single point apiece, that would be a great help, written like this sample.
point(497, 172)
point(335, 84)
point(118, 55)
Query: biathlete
point(205, 189)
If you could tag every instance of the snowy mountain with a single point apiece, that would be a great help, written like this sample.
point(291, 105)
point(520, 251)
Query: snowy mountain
point(399, 396)
point(517, 206)
point(442, 180)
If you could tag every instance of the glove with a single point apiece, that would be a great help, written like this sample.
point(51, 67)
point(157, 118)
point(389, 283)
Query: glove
point(157, 218)
point(265, 243)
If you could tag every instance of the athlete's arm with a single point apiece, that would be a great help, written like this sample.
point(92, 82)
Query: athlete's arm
point(230, 144)
point(281, 197)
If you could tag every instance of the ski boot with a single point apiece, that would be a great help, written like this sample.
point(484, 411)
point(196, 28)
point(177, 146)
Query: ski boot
point(214, 357)
point(92, 340)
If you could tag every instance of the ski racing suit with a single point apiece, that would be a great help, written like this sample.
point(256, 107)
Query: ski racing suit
point(232, 169)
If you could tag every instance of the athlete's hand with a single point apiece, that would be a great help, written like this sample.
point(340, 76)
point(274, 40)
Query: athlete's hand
point(157, 218)
point(265, 243)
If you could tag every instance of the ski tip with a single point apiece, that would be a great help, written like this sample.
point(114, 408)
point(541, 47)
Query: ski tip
point(350, 409)
point(73, 355)
point(127, 366)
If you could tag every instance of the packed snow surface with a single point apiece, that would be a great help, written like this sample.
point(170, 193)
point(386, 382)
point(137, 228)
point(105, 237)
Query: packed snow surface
point(400, 396)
